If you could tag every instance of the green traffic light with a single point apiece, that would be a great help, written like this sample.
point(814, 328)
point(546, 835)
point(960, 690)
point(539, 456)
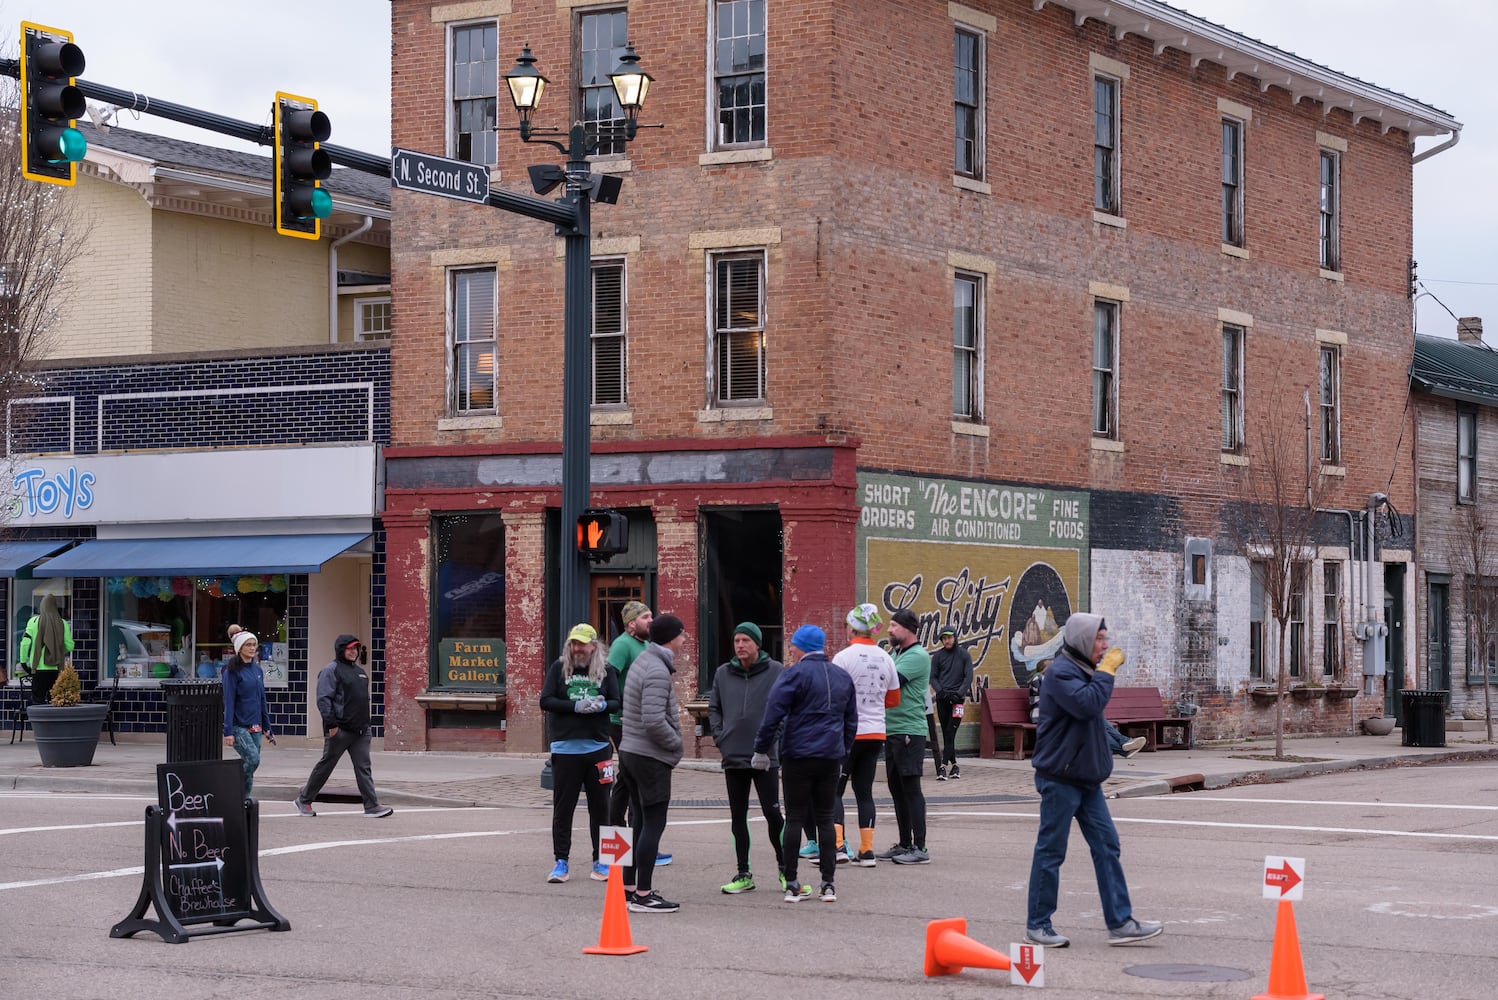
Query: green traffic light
point(322, 204)
point(72, 145)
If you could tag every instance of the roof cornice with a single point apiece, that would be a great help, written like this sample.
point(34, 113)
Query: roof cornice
point(1169, 28)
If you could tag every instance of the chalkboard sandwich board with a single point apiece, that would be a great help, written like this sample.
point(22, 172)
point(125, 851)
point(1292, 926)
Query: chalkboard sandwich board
point(202, 842)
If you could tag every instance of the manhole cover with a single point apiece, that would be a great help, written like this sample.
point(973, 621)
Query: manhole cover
point(1176, 973)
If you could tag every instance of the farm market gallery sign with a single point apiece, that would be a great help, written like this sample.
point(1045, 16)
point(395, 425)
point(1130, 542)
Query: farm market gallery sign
point(1003, 564)
point(472, 663)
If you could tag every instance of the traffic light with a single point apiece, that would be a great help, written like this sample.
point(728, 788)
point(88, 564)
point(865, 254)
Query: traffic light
point(602, 533)
point(50, 105)
point(301, 167)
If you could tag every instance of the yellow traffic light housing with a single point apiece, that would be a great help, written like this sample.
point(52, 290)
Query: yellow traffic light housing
point(51, 104)
point(301, 166)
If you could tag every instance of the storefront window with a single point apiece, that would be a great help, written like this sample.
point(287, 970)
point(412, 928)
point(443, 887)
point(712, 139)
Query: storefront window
point(177, 626)
point(470, 604)
point(26, 600)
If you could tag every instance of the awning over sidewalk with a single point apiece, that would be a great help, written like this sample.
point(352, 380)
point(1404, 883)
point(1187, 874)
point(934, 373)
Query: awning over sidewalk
point(16, 555)
point(219, 555)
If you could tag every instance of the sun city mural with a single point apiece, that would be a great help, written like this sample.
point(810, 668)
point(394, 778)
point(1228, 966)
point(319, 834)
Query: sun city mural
point(1006, 565)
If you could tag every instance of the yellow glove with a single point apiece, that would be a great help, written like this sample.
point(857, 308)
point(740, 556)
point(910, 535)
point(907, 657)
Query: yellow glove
point(1112, 660)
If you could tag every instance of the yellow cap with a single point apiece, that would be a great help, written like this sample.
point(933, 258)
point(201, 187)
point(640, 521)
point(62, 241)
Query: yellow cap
point(582, 633)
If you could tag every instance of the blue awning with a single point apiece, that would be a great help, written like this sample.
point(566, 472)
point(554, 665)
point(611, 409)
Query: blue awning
point(224, 555)
point(15, 555)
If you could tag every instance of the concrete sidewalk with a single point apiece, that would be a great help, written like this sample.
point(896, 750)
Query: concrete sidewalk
point(474, 779)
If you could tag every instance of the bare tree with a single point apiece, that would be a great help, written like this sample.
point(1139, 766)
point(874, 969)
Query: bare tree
point(41, 237)
point(1472, 553)
point(1278, 494)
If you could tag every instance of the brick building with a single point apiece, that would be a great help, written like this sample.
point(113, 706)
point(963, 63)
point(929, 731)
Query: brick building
point(994, 356)
point(201, 444)
point(1455, 404)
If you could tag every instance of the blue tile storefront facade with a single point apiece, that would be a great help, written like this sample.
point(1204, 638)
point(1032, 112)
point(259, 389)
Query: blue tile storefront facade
point(183, 492)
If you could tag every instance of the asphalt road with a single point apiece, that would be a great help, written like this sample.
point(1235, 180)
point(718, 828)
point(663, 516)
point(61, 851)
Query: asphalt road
point(1401, 901)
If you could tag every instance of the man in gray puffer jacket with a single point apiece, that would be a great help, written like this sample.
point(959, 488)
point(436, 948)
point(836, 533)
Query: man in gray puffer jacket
point(649, 749)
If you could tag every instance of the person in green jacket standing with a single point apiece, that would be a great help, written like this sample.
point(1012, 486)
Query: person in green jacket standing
point(905, 740)
point(44, 648)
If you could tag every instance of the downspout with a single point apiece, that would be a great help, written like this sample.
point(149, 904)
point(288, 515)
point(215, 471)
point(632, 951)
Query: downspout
point(1456, 137)
point(333, 276)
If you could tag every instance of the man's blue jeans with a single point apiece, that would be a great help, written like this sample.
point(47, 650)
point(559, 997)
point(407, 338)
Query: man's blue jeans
point(1059, 803)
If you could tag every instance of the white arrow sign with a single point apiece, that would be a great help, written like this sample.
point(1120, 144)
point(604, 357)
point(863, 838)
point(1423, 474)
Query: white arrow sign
point(614, 845)
point(1284, 878)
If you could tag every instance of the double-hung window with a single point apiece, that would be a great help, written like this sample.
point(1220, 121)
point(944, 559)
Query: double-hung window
point(967, 346)
point(1331, 622)
point(1105, 368)
point(602, 36)
point(1330, 381)
point(967, 104)
point(475, 83)
point(1105, 145)
point(1232, 388)
point(472, 340)
point(1331, 211)
point(1232, 182)
point(738, 324)
point(1466, 455)
point(1297, 619)
point(372, 319)
point(610, 347)
point(738, 66)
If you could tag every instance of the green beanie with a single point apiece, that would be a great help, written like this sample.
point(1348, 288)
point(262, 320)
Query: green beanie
point(752, 631)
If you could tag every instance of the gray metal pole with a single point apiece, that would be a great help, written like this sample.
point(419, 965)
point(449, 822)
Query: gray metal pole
point(577, 382)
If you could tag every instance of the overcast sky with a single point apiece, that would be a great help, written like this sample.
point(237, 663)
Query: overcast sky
point(1435, 51)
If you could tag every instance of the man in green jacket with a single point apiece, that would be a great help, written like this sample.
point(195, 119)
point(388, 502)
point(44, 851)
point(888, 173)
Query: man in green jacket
point(905, 740)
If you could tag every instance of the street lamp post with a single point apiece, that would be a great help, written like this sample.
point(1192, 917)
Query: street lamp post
point(581, 186)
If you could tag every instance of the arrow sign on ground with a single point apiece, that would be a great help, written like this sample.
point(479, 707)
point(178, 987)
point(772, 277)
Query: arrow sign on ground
point(1026, 965)
point(1284, 878)
point(614, 847)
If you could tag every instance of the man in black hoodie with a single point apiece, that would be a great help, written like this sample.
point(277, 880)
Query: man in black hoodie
point(735, 707)
point(343, 701)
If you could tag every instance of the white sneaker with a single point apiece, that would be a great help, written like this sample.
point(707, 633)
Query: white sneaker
point(1131, 747)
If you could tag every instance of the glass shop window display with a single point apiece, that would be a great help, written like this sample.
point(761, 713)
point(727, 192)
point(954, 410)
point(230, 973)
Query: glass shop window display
point(177, 626)
point(26, 601)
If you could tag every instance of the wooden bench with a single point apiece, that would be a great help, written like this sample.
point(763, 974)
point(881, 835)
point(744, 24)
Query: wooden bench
point(1136, 711)
point(1006, 710)
point(1140, 711)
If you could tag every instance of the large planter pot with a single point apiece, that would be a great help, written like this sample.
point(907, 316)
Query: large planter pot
point(68, 736)
point(1378, 725)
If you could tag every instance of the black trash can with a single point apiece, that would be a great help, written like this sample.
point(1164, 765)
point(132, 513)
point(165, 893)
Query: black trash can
point(1424, 718)
point(194, 720)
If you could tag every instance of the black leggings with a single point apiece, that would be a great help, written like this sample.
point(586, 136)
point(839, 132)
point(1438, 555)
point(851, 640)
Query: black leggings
point(650, 823)
point(766, 785)
point(810, 789)
point(949, 726)
point(572, 773)
point(860, 768)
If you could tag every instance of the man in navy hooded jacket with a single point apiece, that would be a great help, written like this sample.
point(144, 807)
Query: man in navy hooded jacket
point(814, 698)
point(1072, 760)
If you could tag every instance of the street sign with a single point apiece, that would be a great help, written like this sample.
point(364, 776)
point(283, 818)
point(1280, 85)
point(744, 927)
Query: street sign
point(413, 171)
point(614, 847)
point(1026, 964)
point(1284, 878)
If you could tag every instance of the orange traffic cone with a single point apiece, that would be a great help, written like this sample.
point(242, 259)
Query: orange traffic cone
point(1287, 977)
point(949, 950)
point(613, 935)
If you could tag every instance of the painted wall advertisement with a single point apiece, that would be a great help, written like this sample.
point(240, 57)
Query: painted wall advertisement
point(1006, 565)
